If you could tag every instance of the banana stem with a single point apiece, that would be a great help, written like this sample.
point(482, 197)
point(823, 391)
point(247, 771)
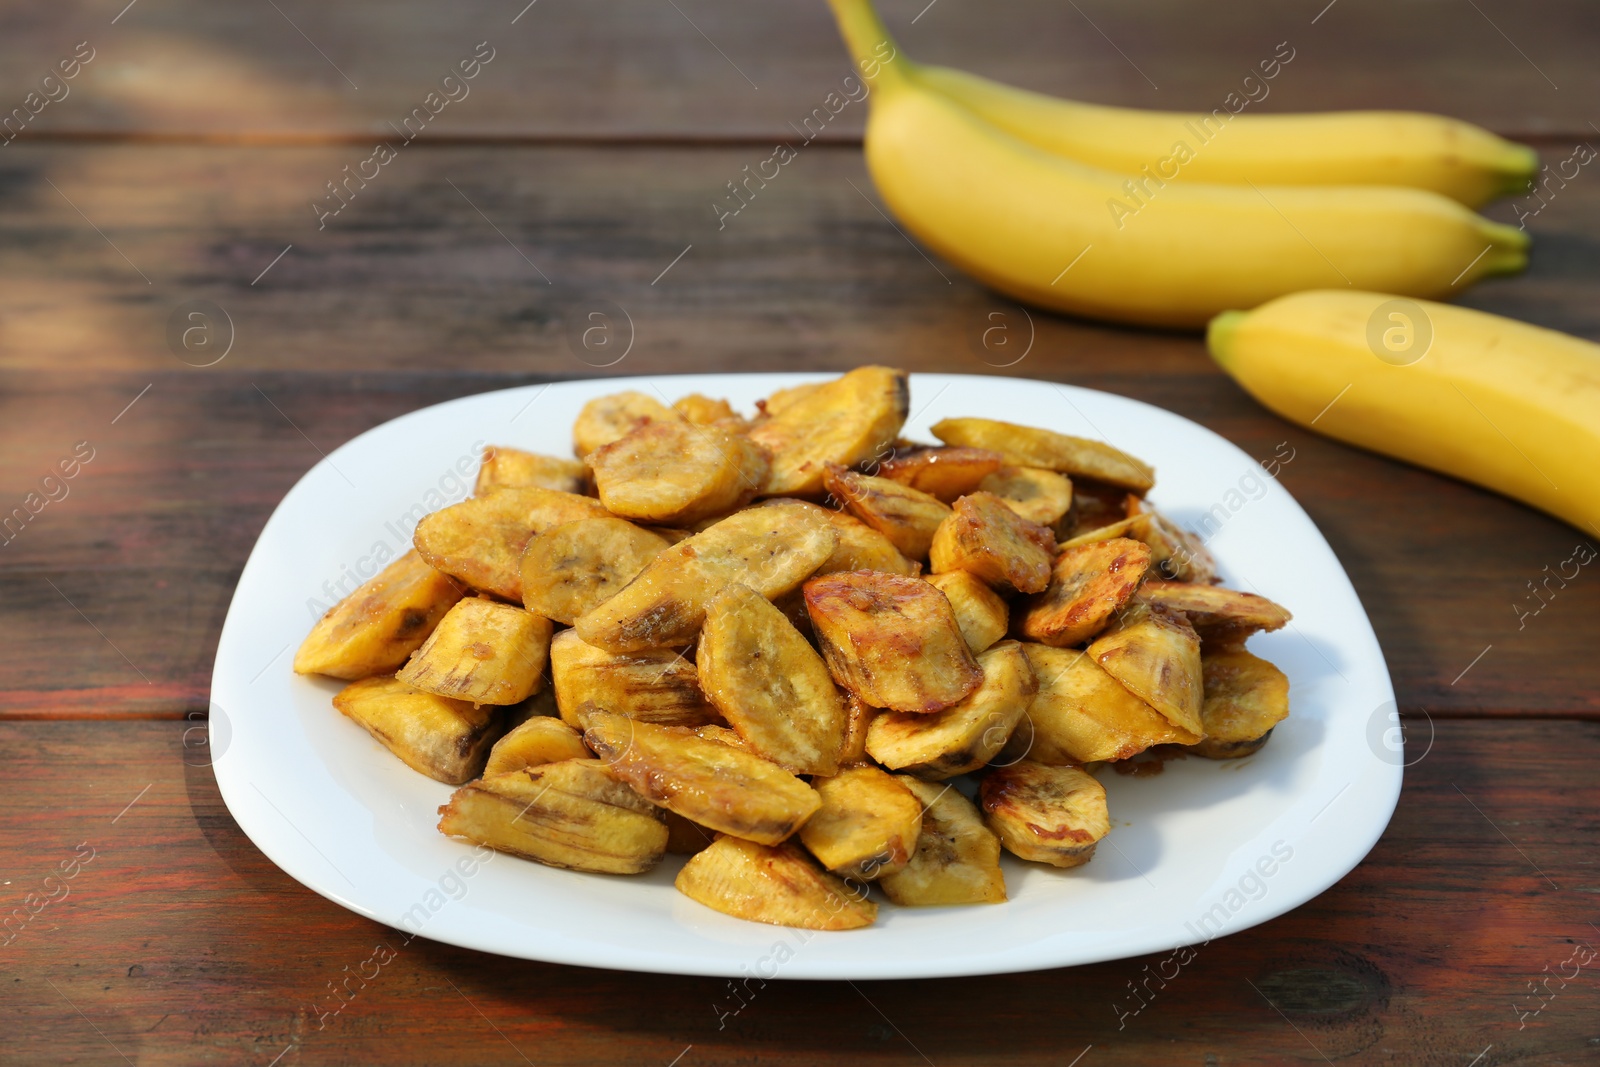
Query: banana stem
point(876, 54)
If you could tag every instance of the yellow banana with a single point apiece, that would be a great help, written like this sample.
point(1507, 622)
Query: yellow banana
point(1068, 236)
point(1508, 406)
point(1455, 159)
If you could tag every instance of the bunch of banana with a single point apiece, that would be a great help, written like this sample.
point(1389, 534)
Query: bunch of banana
point(1508, 406)
point(1055, 203)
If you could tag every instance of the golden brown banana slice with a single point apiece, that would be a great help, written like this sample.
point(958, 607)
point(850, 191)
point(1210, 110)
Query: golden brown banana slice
point(1083, 715)
point(966, 736)
point(867, 826)
point(377, 627)
point(858, 716)
point(483, 651)
point(891, 640)
point(957, 859)
point(1051, 815)
point(984, 536)
point(569, 814)
point(512, 468)
point(784, 399)
point(848, 420)
point(1245, 698)
point(704, 410)
point(1025, 446)
point(577, 566)
point(1177, 553)
point(860, 547)
point(673, 473)
point(1155, 654)
point(445, 739)
point(770, 549)
point(481, 539)
point(779, 885)
point(534, 743)
point(1036, 494)
point(715, 785)
point(610, 418)
point(769, 683)
point(944, 473)
point(725, 735)
point(1218, 614)
point(981, 614)
point(907, 517)
point(658, 685)
point(1089, 584)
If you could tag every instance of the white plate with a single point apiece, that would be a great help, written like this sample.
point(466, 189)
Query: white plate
point(1203, 848)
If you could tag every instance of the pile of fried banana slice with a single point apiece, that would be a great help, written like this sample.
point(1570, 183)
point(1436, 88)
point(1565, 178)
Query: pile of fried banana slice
point(774, 644)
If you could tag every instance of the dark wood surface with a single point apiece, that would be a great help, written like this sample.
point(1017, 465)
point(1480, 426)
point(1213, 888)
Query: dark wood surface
point(594, 143)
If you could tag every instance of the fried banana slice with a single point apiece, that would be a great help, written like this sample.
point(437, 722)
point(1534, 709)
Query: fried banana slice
point(1155, 654)
point(1220, 615)
point(376, 628)
point(984, 536)
point(847, 421)
point(725, 735)
point(610, 418)
point(1051, 815)
point(445, 739)
point(1245, 698)
point(1178, 554)
point(784, 399)
point(512, 468)
point(945, 473)
point(481, 539)
point(957, 859)
point(907, 517)
point(673, 473)
point(779, 885)
point(964, 737)
point(1083, 715)
point(769, 683)
point(858, 716)
point(893, 641)
point(700, 410)
point(1025, 446)
point(483, 651)
point(860, 547)
point(573, 568)
point(570, 814)
point(981, 614)
point(1036, 494)
point(770, 549)
point(707, 782)
point(1088, 585)
point(534, 743)
point(658, 685)
point(867, 826)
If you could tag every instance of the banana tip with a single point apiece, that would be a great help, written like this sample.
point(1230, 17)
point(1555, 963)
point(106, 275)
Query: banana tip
point(1219, 331)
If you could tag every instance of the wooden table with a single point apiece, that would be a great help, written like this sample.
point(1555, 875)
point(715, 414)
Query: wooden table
point(182, 164)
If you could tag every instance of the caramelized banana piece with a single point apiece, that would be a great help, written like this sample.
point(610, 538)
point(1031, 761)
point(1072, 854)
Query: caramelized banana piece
point(445, 739)
point(1025, 446)
point(673, 473)
point(996, 544)
point(377, 627)
point(1220, 615)
point(867, 825)
point(1155, 654)
point(703, 410)
point(715, 785)
point(893, 641)
point(848, 420)
point(536, 742)
point(511, 468)
point(769, 683)
point(485, 652)
point(577, 566)
point(481, 539)
point(860, 547)
point(1051, 815)
point(957, 859)
point(1088, 585)
point(944, 473)
point(658, 685)
point(1177, 553)
point(858, 716)
point(770, 549)
point(907, 517)
point(610, 418)
point(1036, 494)
point(779, 885)
point(962, 738)
point(1245, 698)
point(980, 612)
point(726, 735)
point(569, 814)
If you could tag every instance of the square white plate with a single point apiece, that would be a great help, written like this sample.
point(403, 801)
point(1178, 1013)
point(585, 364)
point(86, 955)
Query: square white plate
point(1204, 848)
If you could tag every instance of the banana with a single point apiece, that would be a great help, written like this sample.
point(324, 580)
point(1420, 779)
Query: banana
point(1072, 237)
point(1508, 406)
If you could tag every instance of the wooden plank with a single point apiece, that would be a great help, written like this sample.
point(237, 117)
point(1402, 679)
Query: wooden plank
point(180, 943)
